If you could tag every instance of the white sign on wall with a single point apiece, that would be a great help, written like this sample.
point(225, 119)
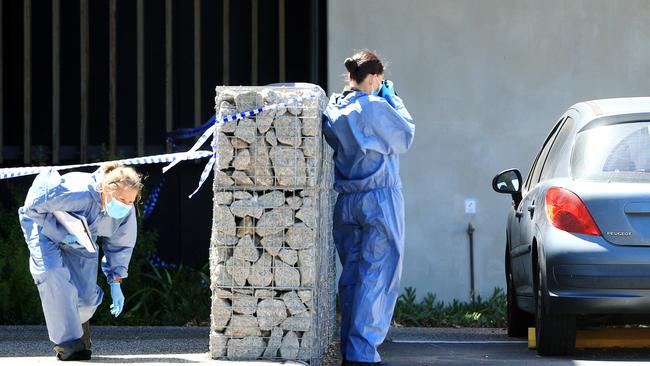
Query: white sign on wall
point(470, 206)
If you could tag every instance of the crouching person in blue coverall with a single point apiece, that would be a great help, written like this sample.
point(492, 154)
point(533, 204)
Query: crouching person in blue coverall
point(368, 127)
point(65, 272)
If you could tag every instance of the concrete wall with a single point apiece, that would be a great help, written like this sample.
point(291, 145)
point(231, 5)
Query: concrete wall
point(484, 81)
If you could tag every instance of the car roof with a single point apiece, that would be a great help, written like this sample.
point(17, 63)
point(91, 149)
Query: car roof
point(594, 109)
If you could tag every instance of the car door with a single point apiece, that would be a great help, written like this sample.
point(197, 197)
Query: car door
point(514, 234)
point(525, 214)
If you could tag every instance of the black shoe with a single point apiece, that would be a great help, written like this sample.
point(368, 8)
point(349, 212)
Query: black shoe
point(72, 351)
point(84, 355)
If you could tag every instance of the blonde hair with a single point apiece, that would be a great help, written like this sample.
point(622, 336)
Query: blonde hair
point(116, 176)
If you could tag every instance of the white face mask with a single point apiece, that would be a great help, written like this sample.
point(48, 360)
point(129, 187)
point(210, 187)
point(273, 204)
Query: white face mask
point(376, 92)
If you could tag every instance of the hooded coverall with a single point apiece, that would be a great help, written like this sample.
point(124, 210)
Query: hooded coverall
point(367, 134)
point(66, 275)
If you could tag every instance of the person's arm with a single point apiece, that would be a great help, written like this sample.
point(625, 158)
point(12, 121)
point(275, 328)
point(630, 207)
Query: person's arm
point(328, 132)
point(118, 249)
point(327, 125)
point(387, 129)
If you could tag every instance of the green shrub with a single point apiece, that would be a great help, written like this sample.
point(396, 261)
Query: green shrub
point(431, 313)
point(174, 296)
point(19, 300)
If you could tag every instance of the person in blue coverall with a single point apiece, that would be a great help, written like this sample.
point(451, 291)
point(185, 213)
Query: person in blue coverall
point(368, 127)
point(65, 272)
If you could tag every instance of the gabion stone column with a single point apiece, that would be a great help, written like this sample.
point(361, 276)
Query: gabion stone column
point(272, 254)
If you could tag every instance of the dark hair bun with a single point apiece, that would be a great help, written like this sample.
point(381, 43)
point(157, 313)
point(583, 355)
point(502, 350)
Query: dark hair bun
point(351, 64)
point(363, 63)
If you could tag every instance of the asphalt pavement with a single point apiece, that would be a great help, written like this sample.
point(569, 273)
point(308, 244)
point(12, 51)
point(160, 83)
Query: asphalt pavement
point(488, 346)
point(29, 345)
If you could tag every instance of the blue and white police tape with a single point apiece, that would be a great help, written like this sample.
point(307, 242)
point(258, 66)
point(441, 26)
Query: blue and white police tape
point(6, 173)
point(184, 133)
point(192, 154)
point(233, 117)
point(152, 199)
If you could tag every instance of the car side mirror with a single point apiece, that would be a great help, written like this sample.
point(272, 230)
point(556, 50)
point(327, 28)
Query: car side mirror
point(508, 181)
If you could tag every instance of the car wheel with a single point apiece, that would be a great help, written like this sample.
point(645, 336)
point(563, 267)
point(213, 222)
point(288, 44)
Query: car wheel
point(555, 333)
point(518, 320)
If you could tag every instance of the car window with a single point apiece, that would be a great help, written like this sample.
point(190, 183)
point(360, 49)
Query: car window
point(555, 165)
point(530, 174)
point(613, 153)
point(533, 177)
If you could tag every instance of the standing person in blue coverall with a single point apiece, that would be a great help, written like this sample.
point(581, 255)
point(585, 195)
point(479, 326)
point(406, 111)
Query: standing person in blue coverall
point(368, 127)
point(65, 272)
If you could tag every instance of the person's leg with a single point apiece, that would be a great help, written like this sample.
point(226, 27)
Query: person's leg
point(83, 267)
point(347, 237)
point(88, 343)
point(83, 272)
point(52, 278)
point(380, 268)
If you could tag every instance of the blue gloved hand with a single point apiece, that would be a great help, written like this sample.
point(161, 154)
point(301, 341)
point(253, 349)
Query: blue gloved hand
point(387, 89)
point(70, 239)
point(118, 299)
point(388, 92)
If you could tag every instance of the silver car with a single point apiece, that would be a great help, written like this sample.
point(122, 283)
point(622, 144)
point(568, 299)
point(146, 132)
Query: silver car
point(578, 232)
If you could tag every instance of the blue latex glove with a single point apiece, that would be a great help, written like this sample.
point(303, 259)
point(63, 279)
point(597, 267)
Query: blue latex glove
point(387, 89)
point(388, 92)
point(70, 239)
point(118, 299)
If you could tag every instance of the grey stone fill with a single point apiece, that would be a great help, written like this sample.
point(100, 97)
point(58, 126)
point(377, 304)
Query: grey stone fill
point(293, 303)
point(248, 348)
point(289, 166)
point(261, 272)
point(243, 208)
point(221, 311)
point(288, 130)
point(285, 275)
point(270, 313)
point(246, 250)
point(242, 326)
point(290, 346)
point(246, 130)
point(271, 199)
point(299, 236)
point(274, 221)
point(299, 322)
point(275, 340)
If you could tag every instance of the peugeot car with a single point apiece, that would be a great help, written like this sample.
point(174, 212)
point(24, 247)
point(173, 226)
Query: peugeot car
point(578, 231)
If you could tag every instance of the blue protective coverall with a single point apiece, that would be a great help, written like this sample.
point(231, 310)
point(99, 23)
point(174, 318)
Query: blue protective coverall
point(66, 275)
point(367, 134)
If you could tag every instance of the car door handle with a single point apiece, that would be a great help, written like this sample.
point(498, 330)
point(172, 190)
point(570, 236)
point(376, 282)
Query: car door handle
point(519, 214)
point(531, 209)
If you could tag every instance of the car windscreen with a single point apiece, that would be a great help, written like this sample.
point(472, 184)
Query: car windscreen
point(618, 153)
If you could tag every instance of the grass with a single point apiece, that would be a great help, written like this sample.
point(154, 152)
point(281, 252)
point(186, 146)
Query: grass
point(429, 312)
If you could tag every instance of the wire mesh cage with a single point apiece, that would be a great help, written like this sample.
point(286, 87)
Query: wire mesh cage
point(272, 255)
point(280, 147)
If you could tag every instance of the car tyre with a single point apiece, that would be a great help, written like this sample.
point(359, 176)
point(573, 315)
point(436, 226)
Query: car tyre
point(555, 333)
point(518, 320)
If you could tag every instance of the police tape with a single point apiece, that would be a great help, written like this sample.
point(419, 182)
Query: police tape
point(192, 154)
point(6, 173)
point(214, 129)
